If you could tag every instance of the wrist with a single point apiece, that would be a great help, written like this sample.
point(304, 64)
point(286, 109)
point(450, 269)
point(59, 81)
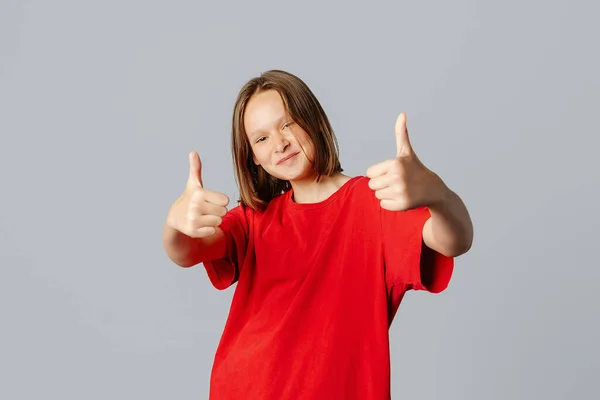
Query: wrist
point(441, 193)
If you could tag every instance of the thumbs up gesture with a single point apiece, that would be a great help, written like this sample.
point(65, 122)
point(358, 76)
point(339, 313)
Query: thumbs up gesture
point(198, 211)
point(403, 182)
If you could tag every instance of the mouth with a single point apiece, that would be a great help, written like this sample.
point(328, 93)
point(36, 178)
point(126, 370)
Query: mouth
point(287, 158)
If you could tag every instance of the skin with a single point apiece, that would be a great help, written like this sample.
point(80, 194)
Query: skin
point(404, 182)
point(191, 233)
point(401, 183)
point(273, 135)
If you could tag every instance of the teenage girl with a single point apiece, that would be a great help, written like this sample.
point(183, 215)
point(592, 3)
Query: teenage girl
point(321, 260)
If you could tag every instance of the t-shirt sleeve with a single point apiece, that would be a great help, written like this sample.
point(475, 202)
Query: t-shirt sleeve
point(409, 263)
point(225, 272)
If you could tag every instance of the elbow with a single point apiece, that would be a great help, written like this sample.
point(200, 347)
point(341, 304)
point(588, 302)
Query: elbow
point(457, 248)
point(183, 262)
point(461, 248)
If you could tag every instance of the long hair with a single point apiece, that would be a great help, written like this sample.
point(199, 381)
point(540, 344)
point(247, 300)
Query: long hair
point(257, 187)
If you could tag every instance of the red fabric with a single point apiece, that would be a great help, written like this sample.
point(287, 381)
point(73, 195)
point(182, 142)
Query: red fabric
point(318, 286)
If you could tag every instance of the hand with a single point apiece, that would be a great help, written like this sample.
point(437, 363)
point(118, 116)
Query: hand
point(403, 183)
point(198, 211)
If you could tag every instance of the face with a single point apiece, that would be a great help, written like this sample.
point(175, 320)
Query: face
point(279, 144)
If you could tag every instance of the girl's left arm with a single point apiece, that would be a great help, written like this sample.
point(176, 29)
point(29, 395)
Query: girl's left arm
point(404, 183)
point(449, 230)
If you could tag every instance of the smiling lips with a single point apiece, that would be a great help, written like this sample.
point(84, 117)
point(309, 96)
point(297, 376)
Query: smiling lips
point(287, 158)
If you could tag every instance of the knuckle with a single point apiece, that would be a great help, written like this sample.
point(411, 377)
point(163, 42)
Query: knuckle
point(190, 226)
point(188, 231)
point(191, 215)
point(200, 233)
point(405, 203)
point(198, 196)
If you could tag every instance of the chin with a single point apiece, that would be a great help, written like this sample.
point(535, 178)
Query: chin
point(300, 174)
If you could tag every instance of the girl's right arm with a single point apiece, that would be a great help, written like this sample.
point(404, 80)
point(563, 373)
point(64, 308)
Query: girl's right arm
point(191, 234)
point(187, 251)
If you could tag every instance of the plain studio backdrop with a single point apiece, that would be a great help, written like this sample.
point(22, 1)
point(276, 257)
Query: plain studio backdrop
point(101, 102)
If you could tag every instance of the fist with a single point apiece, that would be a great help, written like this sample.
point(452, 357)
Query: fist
point(403, 182)
point(199, 211)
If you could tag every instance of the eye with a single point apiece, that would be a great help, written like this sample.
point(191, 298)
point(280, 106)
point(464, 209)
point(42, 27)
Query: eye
point(260, 139)
point(287, 124)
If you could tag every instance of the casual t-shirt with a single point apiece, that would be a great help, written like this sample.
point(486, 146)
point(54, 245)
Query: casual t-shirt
point(318, 286)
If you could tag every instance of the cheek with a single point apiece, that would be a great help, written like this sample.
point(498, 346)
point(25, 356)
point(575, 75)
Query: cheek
point(308, 148)
point(305, 142)
point(260, 156)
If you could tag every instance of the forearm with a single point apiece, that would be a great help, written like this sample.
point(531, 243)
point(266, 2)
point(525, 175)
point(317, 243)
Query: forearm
point(178, 246)
point(186, 251)
point(450, 229)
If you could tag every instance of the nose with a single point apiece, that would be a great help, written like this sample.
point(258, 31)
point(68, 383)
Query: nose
point(281, 143)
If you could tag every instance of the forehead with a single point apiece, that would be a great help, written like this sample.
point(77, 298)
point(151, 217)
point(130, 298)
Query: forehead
point(263, 111)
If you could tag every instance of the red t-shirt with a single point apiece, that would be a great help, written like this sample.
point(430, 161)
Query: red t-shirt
point(317, 288)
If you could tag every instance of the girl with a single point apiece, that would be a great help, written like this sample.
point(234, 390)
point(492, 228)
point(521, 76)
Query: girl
point(321, 260)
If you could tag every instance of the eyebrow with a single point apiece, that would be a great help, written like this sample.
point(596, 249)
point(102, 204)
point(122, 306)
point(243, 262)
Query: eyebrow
point(278, 122)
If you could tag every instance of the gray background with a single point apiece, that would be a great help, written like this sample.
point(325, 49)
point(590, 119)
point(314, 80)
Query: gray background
point(100, 103)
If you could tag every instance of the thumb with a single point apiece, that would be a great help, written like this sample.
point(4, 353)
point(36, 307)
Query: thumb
point(195, 177)
point(403, 146)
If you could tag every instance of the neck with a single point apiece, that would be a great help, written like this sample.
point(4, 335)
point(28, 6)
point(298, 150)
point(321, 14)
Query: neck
point(311, 191)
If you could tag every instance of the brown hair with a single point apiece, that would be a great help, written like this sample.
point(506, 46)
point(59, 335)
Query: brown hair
point(257, 187)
